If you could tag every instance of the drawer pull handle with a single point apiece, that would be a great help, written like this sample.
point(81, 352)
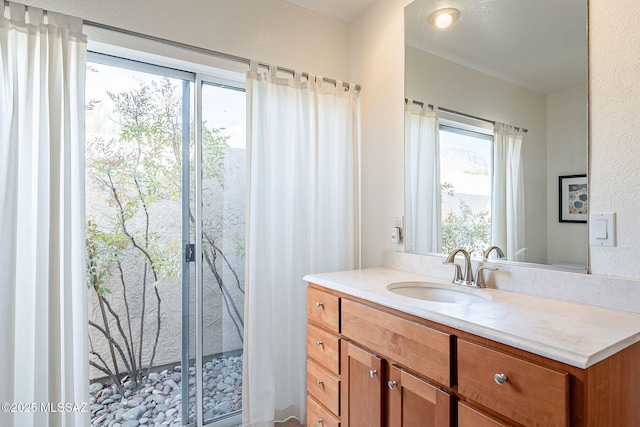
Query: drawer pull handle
point(319, 343)
point(319, 383)
point(319, 305)
point(392, 384)
point(373, 373)
point(500, 378)
point(319, 421)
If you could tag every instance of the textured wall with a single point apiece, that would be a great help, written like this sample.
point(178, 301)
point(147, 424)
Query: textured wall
point(615, 130)
point(223, 208)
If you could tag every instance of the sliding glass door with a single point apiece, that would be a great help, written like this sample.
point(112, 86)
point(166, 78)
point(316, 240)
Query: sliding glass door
point(223, 230)
point(165, 160)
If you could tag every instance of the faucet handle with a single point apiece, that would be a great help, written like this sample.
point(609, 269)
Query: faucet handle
point(479, 279)
point(457, 277)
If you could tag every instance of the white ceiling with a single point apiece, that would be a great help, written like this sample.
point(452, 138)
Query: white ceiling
point(537, 44)
point(541, 44)
point(344, 10)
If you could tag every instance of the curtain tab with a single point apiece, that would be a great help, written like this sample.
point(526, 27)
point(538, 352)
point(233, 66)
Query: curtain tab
point(75, 25)
point(17, 14)
point(273, 73)
point(53, 19)
point(36, 16)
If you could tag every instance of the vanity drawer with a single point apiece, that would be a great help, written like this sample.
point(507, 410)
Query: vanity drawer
point(470, 417)
point(412, 345)
point(531, 395)
point(323, 309)
point(317, 416)
point(324, 348)
point(323, 386)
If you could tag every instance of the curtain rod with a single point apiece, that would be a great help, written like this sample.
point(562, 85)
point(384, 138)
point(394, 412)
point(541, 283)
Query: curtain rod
point(197, 49)
point(458, 113)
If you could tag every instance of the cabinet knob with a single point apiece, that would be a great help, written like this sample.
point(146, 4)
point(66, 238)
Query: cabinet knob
point(373, 373)
point(319, 343)
point(319, 305)
point(392, 384)
point(319, 383)
point(500, 378)
point(319, 421)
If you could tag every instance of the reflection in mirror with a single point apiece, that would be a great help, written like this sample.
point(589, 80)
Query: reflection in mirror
point(475, 177)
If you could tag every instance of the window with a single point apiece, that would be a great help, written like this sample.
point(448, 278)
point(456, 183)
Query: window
point(466, 179)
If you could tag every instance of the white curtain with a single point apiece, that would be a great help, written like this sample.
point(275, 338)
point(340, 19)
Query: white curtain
point(507, 211)
point(43, 321)
point(422, 180)
point(300, 220)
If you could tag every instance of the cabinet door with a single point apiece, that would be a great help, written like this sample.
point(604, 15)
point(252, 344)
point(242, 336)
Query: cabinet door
point(362, 375)
point(412, 402)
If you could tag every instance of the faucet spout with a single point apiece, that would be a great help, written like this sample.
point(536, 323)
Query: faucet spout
point(493, 248)
point(468, 274)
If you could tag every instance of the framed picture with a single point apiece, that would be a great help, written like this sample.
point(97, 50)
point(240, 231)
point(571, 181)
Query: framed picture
point(574, 198)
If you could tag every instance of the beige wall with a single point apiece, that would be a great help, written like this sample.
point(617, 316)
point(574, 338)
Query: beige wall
point(567, 243)
point(273, 31)
point(377, 63)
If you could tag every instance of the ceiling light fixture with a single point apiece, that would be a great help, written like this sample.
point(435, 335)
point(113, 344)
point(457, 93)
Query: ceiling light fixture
point(442, 18)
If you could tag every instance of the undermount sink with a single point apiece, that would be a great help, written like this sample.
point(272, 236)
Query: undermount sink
point(438, 292)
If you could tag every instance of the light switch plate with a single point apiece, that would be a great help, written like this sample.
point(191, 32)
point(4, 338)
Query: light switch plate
point(602, 229)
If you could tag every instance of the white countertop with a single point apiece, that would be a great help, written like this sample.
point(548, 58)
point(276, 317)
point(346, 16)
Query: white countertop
point(577, 334)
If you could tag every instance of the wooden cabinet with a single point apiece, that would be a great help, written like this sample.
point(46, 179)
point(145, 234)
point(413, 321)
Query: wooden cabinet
point(413, 402)
point(522, 391)
point(362, 397)
point(318, 416)
point(471, 417)
point(371, 366)
point(377, 391)
point(323, 309)
point(323, 359)
point(410, 344)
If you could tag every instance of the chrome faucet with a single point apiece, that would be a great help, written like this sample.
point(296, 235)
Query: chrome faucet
point(479, 283)
point(468, 278)
point(468, 274)
point(493, 248)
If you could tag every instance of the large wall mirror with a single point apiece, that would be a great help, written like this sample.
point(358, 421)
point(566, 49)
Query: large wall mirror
point(496, 133)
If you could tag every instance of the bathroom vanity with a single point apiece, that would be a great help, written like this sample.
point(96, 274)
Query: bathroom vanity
point(377, 357)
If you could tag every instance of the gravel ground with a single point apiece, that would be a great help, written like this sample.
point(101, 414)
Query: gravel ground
point(159, 401)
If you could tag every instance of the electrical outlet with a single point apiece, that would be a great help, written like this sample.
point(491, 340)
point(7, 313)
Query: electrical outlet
point(398, 222)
